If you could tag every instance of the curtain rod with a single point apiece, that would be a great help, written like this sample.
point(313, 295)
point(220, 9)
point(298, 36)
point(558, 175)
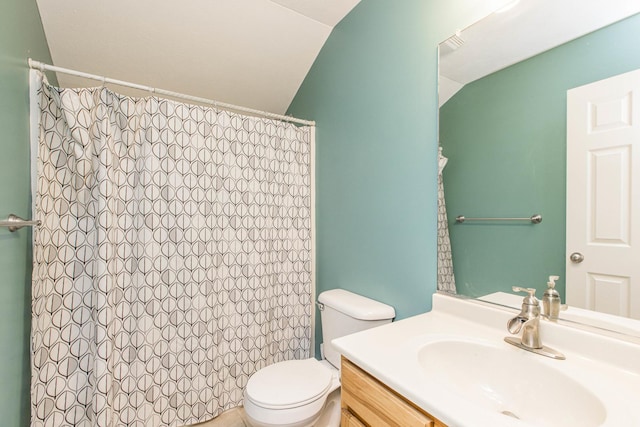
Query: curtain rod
point(46, 67)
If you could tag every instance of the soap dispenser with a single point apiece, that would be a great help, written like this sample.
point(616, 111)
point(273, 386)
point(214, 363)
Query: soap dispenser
point(551, 300)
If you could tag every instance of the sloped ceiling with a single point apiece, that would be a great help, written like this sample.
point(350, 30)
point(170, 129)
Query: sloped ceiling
point(253, 53)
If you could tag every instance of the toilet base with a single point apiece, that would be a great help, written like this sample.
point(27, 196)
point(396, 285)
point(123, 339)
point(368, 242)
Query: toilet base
point(306, 423)
point(329, 416)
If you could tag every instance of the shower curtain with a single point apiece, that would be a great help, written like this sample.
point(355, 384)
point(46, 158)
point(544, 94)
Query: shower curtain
point(446, 279)
point(173, 260)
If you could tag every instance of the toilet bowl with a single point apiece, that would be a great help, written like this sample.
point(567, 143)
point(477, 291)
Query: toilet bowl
point(291, 393)
point(304, 393)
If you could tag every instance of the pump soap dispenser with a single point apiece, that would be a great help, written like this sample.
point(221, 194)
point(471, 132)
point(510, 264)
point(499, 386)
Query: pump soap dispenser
point(551, 300)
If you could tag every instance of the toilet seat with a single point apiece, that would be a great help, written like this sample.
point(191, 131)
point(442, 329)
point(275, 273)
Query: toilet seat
point(289, 384)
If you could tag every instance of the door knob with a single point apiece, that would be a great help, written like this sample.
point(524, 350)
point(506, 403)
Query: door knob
point(576, 257)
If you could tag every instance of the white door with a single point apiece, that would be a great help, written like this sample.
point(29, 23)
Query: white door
point(603, 195)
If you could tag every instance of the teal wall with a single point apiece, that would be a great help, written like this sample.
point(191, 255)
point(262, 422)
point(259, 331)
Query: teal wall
point(373, 93)
point(21, 36)
point(504, 136)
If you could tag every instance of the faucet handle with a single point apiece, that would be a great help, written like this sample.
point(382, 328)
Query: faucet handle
point(529, 299)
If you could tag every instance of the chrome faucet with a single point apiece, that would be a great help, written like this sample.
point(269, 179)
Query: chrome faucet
point(528, 321)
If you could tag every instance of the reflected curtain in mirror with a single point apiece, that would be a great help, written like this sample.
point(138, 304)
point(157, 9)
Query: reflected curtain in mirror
point(446, 279)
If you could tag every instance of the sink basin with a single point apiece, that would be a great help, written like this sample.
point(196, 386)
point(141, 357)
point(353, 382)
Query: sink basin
point(510, 381)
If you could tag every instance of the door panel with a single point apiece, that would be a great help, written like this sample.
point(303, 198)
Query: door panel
point(603, 195)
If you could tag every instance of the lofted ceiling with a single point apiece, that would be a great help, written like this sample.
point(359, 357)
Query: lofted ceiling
point(253, 53)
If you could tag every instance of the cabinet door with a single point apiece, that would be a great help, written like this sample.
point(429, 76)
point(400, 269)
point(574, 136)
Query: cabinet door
point(375, 404)
point(350, 420)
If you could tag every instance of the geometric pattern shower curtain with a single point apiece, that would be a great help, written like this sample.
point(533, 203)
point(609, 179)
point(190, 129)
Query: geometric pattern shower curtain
point(446, 278)
point(173, 260)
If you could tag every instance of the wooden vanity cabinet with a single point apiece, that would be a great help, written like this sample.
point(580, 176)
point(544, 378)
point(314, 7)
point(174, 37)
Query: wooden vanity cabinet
point(366, 402)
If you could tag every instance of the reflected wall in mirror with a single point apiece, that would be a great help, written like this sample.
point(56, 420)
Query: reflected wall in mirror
point(504, 135)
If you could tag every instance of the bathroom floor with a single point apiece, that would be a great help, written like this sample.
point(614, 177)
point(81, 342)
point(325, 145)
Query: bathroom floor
point(232, 418)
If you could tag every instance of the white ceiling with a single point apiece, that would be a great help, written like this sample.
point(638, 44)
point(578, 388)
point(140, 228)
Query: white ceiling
point(528, 29)
point(253, 53)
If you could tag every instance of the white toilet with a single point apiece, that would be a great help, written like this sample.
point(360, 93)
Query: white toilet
point(302, 393)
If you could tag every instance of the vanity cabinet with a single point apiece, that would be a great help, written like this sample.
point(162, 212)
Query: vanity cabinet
point(367, 402)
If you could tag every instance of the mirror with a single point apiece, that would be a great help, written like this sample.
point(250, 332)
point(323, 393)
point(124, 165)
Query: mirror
point(503, 125)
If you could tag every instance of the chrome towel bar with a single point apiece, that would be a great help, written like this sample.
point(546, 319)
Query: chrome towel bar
point(14, 223)
point(535, 219)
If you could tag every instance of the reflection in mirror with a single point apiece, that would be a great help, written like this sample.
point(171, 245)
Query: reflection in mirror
point(503, 128)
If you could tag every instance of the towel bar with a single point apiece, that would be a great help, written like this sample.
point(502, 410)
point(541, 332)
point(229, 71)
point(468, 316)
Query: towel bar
point(535, 219)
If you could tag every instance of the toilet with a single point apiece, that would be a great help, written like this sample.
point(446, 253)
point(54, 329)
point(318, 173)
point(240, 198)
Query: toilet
point(304, 393)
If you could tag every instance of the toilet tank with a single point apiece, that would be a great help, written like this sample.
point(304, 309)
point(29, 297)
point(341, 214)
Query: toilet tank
point(343, 313)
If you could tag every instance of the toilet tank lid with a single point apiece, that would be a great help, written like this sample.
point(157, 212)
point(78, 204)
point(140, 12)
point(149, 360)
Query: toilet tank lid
point(356, 306)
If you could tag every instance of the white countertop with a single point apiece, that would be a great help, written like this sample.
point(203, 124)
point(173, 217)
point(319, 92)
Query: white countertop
point(607, 367)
